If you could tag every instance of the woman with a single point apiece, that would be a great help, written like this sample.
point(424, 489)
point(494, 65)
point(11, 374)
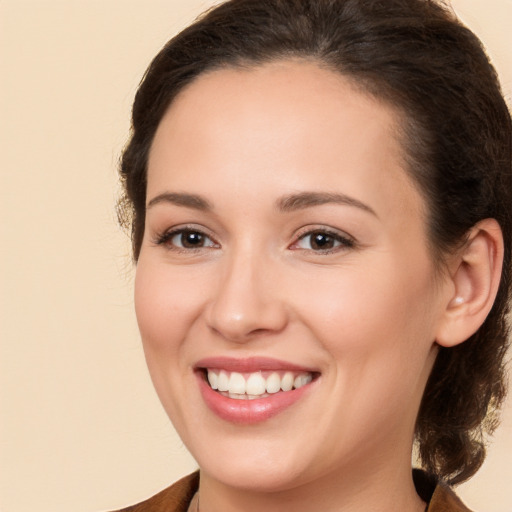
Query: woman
point(319, 194)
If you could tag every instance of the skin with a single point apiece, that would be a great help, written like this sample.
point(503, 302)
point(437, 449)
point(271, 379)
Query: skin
point(365, 315)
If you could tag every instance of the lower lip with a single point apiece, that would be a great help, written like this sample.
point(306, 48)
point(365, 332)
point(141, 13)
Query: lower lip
point(248, 412)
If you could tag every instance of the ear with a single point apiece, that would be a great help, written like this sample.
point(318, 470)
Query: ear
point(474, 277)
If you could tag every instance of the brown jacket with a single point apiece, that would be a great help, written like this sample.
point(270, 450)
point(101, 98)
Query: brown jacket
point(176, 498)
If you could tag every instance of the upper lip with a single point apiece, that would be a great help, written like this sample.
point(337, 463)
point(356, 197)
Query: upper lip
point(250, 364)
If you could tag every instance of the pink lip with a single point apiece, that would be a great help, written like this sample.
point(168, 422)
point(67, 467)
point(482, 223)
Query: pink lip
point(247, 412)
point(250, 364)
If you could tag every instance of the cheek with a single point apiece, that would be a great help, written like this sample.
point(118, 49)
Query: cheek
point(166, 305)
point(378, 318)
point(167, 302)
point(378, 332)
point(359, 302)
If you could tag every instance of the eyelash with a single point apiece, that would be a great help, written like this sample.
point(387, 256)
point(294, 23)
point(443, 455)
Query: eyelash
point(344, 242)
point(166, 237)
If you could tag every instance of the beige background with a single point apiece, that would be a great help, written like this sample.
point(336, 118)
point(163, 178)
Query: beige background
point(81, 428)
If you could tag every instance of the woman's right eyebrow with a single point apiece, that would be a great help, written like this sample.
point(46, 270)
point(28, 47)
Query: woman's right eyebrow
point(181, 199)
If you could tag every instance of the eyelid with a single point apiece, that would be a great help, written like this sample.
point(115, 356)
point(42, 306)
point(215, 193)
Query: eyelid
point(346, 241)
point(164, 236)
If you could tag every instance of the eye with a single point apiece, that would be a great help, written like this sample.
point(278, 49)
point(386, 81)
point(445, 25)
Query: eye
point(321, 240)
point(190, 240)
point(185, 239)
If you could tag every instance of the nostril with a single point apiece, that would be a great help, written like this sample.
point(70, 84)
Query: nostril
point(243, 305)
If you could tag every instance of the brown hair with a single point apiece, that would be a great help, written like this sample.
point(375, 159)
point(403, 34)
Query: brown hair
point(456, 133)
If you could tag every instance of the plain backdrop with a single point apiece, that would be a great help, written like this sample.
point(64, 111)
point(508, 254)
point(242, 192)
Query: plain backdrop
point(81, 428)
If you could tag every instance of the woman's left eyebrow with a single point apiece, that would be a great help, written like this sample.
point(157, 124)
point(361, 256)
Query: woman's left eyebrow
point(303, 200)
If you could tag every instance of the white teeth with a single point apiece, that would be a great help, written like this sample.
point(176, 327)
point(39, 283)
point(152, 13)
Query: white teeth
point(302, 380)
point(255, 384)
point(237, 383)
point(273, 383)
point(237, 396)
point(223, 381)
point(213, 379)
point(287, 381)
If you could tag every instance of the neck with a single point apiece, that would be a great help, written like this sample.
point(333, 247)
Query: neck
point(376, 489)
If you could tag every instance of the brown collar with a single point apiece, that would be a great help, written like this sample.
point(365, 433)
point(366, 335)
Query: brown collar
point(439, 496)
point(177, 497)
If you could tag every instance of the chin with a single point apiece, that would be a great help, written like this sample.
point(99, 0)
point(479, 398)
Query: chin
point(271, 477)
point(251, 462)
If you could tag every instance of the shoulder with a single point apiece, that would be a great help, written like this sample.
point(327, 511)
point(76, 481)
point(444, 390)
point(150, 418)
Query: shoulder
point(175, 498)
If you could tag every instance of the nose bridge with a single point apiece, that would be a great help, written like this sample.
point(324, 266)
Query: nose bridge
point(245, 301)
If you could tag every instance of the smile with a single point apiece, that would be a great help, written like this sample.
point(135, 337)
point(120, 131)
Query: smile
point(250, 391)
point(260, 384)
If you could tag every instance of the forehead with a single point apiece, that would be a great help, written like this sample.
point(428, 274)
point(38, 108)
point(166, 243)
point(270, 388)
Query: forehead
point(290, 123)
point(297, 90)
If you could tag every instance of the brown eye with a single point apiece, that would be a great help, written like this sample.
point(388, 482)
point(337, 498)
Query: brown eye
point(323, 241)
point(189, 239)
point(182, 239)
point(319, 241)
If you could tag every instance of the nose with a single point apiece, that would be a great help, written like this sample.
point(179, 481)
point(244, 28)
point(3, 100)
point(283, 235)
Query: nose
point(247, 301)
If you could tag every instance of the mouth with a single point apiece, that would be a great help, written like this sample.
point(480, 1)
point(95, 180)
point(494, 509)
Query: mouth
point(248, 391)
point(255, 385)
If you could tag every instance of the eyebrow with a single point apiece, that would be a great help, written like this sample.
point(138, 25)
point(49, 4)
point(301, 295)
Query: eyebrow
point(181, 199)
point(304, 200)
point(288, 203)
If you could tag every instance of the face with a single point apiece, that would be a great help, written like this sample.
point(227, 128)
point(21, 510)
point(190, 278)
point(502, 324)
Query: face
point(285, 255)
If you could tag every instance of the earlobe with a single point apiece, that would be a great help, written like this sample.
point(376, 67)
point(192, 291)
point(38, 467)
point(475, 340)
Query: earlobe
point(457, 301)
point(475, 277)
